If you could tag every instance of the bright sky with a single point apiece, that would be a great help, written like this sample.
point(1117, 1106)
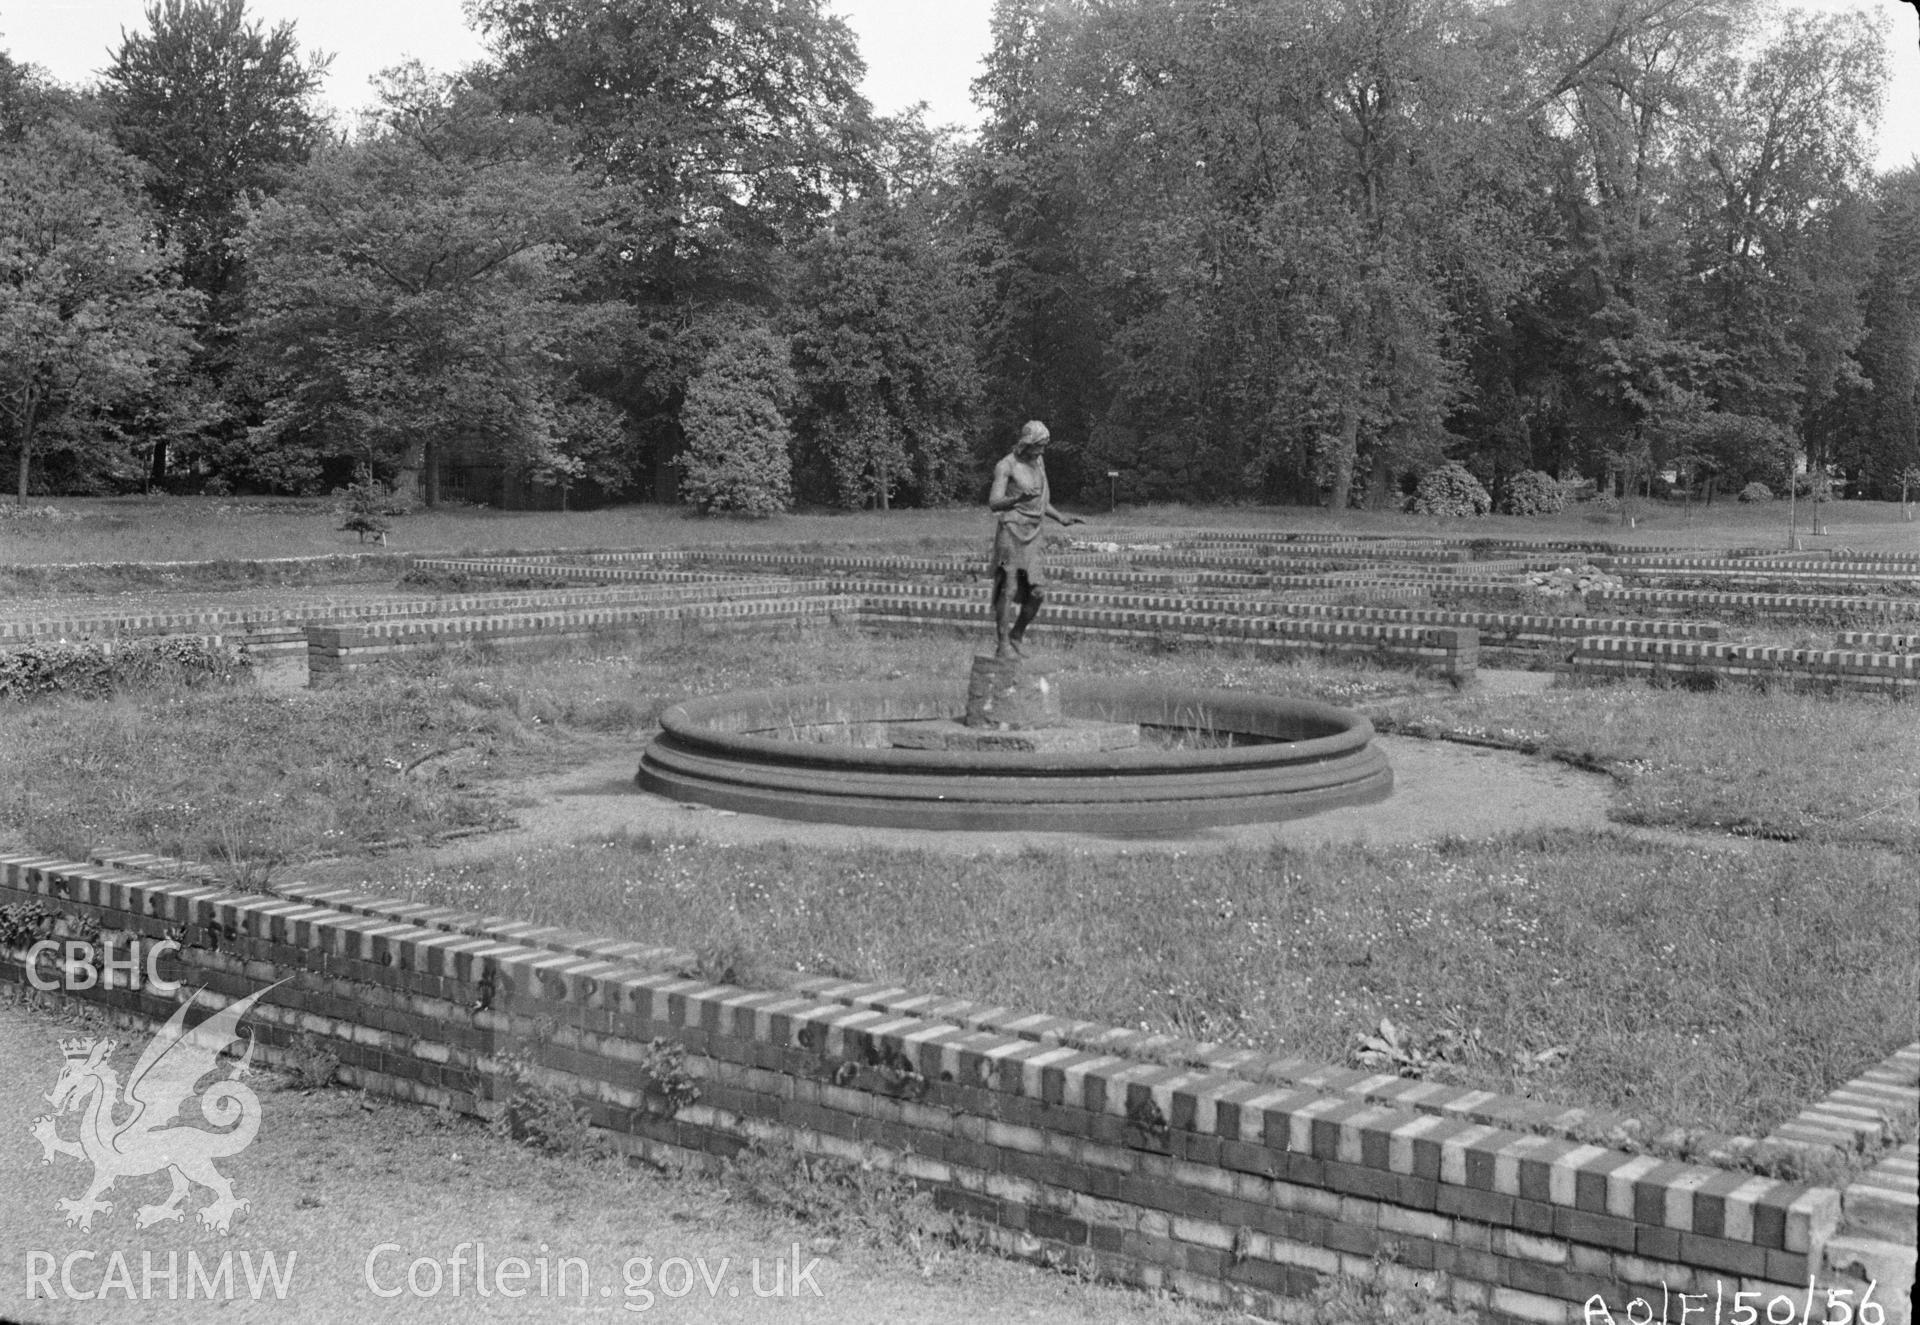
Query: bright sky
point(916, 50)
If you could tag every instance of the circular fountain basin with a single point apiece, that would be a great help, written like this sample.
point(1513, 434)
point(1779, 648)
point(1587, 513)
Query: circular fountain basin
point(820, 753)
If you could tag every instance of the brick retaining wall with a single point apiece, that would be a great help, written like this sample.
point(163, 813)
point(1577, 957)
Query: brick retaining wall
point(1196, 1179)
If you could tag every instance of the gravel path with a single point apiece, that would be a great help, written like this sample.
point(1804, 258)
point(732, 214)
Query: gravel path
point(1439, 790)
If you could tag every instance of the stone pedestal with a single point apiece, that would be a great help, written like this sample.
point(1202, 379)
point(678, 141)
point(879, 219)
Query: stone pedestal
point(1011, 693)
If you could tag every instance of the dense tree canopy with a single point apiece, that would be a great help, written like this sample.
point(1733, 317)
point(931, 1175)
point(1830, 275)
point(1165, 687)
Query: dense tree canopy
point(1307, 250)
point(89, 311)
point(718, 135)
point(220, 111)
point(409, 298)
point(884, 339)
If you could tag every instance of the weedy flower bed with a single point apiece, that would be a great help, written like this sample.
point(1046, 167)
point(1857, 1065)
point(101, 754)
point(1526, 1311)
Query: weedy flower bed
point(1693, 988)
point(96, 668)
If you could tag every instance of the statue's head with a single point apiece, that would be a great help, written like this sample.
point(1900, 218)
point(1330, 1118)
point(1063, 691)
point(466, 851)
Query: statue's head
point(1033, 439)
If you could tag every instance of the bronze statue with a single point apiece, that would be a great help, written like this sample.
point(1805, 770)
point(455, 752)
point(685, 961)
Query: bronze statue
point(1020, 499)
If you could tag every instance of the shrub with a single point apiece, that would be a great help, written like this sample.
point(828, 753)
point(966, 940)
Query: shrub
point(51, 514)
point(737, 458)
point(25, 923)
point(96, 668)
point(310, 1063)
point(861, 1202)
point(666, 1084)
point(368, 496)
point(1534, 493)
point(1451, 490)
point(1756, 492)
point(541, 1116)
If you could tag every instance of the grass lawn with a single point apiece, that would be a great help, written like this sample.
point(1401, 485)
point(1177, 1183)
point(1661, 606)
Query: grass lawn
point(1688, 984)
point(163, 529)
point(1692, 987)
point(1781, 766)
point(1682, 981)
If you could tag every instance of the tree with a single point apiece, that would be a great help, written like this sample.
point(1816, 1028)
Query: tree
point(1046, 339)
point(220, 110)
point(28, 98)
point(1609, 356)
point(718, 135)
point(884, 325)
point(1257, 226)
point(738, 459)
point(409, 299)
point(89, 312)
point(1775, 150)
point(1872, 426)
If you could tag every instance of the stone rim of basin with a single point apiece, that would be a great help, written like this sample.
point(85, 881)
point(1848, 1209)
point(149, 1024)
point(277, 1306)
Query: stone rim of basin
point(1297, 731)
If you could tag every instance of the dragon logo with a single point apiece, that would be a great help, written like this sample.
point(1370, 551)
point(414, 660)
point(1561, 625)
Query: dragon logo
point(141, 1141)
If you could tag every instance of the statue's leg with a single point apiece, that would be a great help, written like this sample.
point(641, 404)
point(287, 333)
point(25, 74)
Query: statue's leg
point(1030, 599)
point(1003, 610)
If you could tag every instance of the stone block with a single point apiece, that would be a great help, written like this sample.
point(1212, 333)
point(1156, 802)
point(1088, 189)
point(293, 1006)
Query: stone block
point(1011, 692)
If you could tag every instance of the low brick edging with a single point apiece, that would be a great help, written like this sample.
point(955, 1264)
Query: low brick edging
point(1501, 627)
point(1864, 1112)
point(1280, 555)
point(1773, 606)
point(1880, 1208)
point(1869, 569)
point(1228, 1189)
point(335, 649)
point(1453, 651)
point(550, 567)
point(1609, 657)
point(227, 621)
point(1103, 601)
point(1879, 642)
